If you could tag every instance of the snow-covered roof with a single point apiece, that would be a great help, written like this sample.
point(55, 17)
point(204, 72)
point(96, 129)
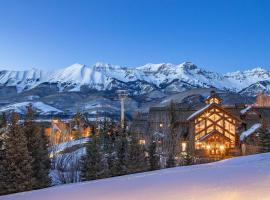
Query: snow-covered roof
point(158, 134)
point(248, 132)
point(245, 110)
point(200, 111)
point(64, 145)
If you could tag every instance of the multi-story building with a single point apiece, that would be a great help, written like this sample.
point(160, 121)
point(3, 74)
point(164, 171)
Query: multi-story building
point(213, 130)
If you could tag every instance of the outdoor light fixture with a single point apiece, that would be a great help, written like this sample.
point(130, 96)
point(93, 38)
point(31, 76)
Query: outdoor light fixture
point(160, 125)
point(184, 146)
point(208, 147)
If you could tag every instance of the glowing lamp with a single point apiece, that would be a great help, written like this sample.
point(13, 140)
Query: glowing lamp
point(222, 147)
point(55, 121)
point(208, 147)
point(142, 142)
point(184, 146)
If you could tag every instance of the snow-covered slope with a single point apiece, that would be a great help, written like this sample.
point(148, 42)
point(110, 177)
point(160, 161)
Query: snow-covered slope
point(243, 178)
point(39, 107)
point(23, 79)
point(66, 156)
point(164, 76)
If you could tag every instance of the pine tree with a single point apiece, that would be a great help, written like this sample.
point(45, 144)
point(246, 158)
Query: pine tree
point(110, 157)
point(173, 136)
point(16, 174)
point(92, 162)
point(36, 144)
point(105, 138)
point(171, 160)
point(153, 157)
point(136, 156)
point(3, 132)
point(3, 138)
point(3, 120)
point(264, 140)
point(108, 147)
point(121, 148)
point(78, 125)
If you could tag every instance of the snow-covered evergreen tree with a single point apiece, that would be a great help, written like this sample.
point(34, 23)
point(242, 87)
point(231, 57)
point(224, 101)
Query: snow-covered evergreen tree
point(121, 161)
point(153, 157)
point(136, 156)
point(264, 140)
point(93, 166)
point(16, 173)
point(171, 160)
point(37, 147)
point(3, 132)
point(172, 137)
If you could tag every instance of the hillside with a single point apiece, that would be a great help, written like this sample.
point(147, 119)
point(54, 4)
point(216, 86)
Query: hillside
point(243, 178)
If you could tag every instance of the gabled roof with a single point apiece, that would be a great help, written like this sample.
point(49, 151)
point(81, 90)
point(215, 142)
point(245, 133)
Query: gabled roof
point(197, 113)
point(213, 94)
point(214, 132)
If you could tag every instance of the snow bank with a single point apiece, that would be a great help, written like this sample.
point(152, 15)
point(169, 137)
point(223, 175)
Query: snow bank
point(243, 178)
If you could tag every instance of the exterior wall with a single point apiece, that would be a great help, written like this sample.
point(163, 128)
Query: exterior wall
point(58, 131)
point(263, 100)
point(160, 126)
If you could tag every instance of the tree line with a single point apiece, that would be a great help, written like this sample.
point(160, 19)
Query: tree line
point(116, 152)
point(110, 151)
point(24, 161)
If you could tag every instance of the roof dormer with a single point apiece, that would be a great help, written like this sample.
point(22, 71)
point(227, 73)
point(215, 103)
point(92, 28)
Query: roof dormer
point(213, 98)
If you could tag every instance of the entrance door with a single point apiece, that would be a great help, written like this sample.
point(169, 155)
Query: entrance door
point(217, 149)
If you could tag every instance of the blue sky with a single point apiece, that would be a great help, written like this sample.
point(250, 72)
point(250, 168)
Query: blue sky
point(216, 35)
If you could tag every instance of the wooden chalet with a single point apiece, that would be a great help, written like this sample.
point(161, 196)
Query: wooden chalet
point(205, 130)
point(213, 130)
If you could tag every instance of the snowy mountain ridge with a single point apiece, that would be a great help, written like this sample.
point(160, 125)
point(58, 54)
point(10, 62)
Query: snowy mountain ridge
point(164, 76)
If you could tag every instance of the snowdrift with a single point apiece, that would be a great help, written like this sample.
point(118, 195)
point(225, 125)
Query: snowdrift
point(246, 178)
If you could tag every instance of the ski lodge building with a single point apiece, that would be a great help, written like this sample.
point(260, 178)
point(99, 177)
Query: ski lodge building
point(212, 131)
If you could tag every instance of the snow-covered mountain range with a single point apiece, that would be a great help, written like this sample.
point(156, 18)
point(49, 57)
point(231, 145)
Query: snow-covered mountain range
point(165, 76)
point(81, 87)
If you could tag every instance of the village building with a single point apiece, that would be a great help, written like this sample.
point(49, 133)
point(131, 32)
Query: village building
point(59, 131)
point(213, 130)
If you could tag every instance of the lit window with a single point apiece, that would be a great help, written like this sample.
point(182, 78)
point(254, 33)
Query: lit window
point(142, 142)
point(184, 146)
point(222, 147)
